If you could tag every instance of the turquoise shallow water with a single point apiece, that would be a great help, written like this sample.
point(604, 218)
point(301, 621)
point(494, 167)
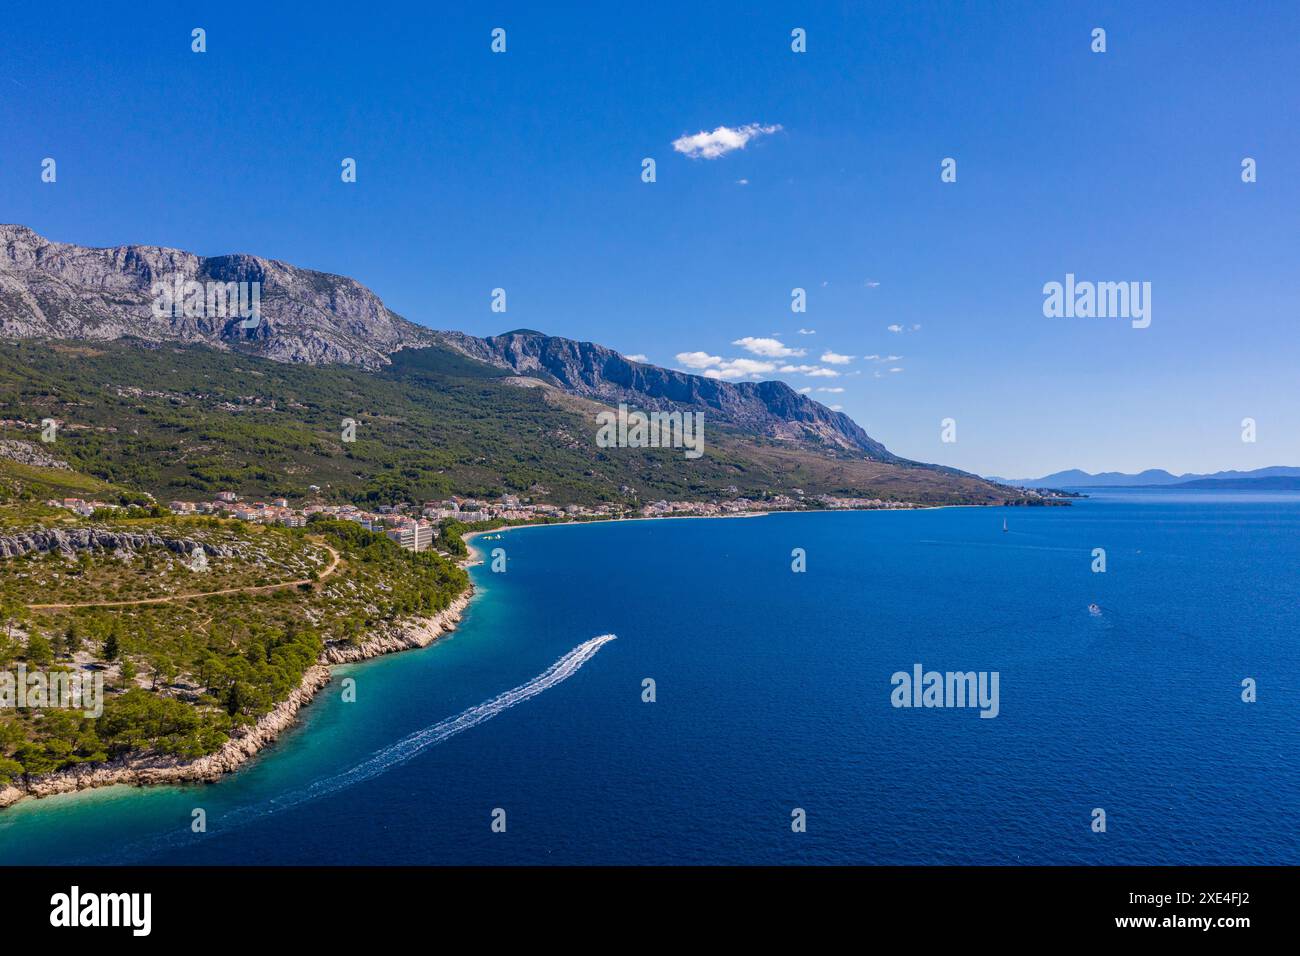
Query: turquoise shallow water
point(774, 693)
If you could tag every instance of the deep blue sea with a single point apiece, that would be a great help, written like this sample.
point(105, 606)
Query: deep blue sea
point(774, 693)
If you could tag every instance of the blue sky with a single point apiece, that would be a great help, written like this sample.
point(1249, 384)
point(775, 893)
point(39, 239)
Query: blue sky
point(522, 171)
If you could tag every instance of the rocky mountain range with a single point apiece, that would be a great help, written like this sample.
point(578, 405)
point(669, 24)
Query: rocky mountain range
point(771, 409)
point(59, 290)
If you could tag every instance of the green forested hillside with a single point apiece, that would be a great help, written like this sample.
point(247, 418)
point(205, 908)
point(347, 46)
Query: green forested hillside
point(188, 421)
point(188, 657)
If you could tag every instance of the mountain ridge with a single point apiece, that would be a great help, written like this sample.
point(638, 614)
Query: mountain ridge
point(64, 291)
point(590, 370)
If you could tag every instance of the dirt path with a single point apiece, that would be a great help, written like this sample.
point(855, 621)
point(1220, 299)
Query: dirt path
point(250, 589)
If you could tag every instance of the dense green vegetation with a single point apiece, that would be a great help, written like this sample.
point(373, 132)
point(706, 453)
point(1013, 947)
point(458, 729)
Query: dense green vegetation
point(186, 422)
point(181, 675)
point(185, 672)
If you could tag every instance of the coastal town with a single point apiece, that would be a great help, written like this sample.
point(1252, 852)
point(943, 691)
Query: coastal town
point(415, 527)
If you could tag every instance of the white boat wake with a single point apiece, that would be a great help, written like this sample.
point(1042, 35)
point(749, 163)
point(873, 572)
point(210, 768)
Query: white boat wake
point(411, 746)
point(404, 750)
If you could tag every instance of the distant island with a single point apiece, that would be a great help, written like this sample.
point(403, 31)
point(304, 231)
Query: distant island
point(1274, 478)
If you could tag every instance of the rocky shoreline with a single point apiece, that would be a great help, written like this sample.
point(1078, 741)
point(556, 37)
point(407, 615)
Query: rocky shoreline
point(147, 769)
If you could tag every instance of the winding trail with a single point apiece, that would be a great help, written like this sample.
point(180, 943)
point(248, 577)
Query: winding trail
point(335, 558)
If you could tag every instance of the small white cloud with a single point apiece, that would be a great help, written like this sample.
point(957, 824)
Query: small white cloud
point(636, 358)
point(833, 391)
point(836, 408)
point(742, 182)
point(740, 368)
point(807, 331)
point(894, 328)
point(698, 359)
point(835, 358)
point(771, 348)
point(871, 284)
point(805, 390)
point(895, 369)
point(815, 371)
point(723, 140)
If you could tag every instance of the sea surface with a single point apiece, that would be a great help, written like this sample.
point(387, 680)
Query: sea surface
point(773, 694)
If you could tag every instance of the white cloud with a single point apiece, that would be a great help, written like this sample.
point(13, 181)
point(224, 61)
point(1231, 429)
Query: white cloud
point(807, 331)
point(837, 408)
point(723, 140)
point(698, 359)
point(813, 371)
point(739, 368)
point(742, 182)
point(805, 390)
point(895, 369)
point(871, 284)
point(730, 369)
point(636, 358)
point(770, 348)
point(894, 328)
point(749, 366)
point(834, 358)
point(834, 391)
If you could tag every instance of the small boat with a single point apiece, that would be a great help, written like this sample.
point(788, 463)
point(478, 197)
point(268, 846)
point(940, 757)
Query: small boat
point(1094, 610)
point(1004, 525)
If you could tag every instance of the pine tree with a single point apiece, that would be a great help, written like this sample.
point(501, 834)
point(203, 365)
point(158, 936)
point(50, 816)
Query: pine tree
point(39, 650)
point(71, 639)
